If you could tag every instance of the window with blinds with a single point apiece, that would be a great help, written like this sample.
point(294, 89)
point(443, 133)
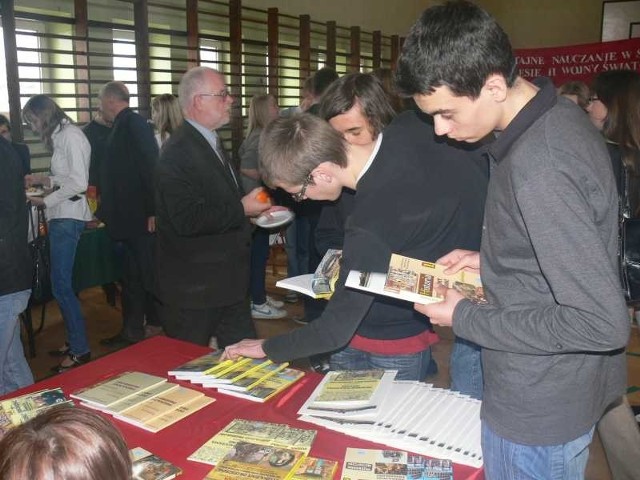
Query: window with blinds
point(68, 49)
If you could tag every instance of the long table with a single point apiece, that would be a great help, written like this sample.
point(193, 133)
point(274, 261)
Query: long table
point(175, 443)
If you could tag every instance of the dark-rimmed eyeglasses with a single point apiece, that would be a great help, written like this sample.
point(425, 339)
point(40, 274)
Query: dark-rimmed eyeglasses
point(223, 94)
point(299, 196)
point(593, 98)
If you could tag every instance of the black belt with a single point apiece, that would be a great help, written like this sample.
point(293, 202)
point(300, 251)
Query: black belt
point(75, 198)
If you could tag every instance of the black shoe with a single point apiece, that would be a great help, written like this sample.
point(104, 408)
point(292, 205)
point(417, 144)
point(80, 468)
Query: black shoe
point(116, 341)
point(76, 361)
point(320, 363)
point(61, 352)
point(300, 320)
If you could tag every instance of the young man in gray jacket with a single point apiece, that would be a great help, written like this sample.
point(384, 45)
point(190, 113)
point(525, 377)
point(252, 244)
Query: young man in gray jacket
point(554, 331)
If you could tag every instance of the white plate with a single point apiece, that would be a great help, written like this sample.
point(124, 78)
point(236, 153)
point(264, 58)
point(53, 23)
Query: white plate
point(275, 219)
point(34, 193)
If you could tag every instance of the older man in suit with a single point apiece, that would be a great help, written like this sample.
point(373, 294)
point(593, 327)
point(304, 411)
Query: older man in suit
point(127, 208)
point(204, 234)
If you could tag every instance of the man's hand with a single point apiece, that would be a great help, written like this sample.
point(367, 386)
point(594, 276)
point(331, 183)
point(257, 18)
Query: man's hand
point(151, 224)
point(254, 204)
point(457, 260)
point(441, 313)
point(245, 348)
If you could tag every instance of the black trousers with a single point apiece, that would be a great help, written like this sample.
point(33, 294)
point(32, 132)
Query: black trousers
point(229, 324)
point(138, 300)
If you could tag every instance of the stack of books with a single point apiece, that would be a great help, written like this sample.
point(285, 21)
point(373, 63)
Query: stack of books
point(257, 380)
point(146, 401)
point(349, 397)
point(147, 466)
point(18, 410)
point(269, 451)
point(413, 416)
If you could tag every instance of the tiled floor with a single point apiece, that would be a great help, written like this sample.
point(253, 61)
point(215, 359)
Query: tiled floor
point(104, 320)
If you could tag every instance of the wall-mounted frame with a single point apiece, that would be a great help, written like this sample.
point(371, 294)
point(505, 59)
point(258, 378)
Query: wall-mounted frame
point(620, 20)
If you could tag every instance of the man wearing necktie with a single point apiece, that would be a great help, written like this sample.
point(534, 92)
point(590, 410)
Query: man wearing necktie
point(202, 221)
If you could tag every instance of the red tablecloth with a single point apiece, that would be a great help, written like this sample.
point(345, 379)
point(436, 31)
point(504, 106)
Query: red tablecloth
point(175, 443)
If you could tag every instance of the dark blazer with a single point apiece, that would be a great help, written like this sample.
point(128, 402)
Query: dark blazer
point(15, 259)
point(25, 156)
point(126, 177)
point(203, 235)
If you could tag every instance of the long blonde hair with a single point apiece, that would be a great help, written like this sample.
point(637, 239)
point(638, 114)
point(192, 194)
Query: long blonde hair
point(259, 116)
point(166, 114)
point(49, 114)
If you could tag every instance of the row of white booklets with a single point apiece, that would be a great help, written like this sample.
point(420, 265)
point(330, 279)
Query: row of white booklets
point(407, 415)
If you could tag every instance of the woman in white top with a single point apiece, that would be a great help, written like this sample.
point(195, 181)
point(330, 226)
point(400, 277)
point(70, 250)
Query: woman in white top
point(66, 210)
point(166, 116)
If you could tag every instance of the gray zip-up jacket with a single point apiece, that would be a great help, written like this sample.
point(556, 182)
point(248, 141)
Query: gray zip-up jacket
point(555, 329)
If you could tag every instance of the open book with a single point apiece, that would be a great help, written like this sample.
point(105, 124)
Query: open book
point(417, 281)
point(319, 284)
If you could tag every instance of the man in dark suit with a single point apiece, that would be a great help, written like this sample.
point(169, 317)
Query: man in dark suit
point(20, 148)
point(204, 234)
point(127, 208)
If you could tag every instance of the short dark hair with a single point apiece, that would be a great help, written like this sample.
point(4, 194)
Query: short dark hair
point(363, 88)
point(322, 79)
point(65, 442)
point(457, 45)
point(292, 147)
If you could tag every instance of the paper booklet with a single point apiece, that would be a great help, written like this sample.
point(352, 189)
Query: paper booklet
point(319, 284)
point(417, 281)
point(256, 461)
point(273, 434)
point(147, 466)
point(118, 388)
point(367, 464)
point(18, 410)
point(159, 405)
point(266, 387)
point(349, 394)
point(313, 468)
point(419, 418)
point(199, 366)
point(233, 372)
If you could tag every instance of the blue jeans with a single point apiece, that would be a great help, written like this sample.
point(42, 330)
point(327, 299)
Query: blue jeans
point(505, 460)
point(14, 370)
point(259, 257)
point(297, 247)
point(466, 368)
point(64, 234)
point(413, 366)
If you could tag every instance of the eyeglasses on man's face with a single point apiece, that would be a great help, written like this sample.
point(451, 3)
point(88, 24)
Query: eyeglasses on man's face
point(223, 94)
point(593, 98)
point(299, 196)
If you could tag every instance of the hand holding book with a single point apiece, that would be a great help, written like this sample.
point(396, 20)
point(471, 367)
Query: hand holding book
point(441, 313)
point(459, 259)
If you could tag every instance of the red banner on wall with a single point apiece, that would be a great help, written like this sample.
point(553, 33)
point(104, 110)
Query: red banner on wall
point(578, 62)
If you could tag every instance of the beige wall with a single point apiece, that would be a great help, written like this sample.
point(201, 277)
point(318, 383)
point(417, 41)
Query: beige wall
point(392, 17)
point(548, 23)
point(529, 23)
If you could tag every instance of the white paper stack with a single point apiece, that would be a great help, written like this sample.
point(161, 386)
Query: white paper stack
point(419, 418)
